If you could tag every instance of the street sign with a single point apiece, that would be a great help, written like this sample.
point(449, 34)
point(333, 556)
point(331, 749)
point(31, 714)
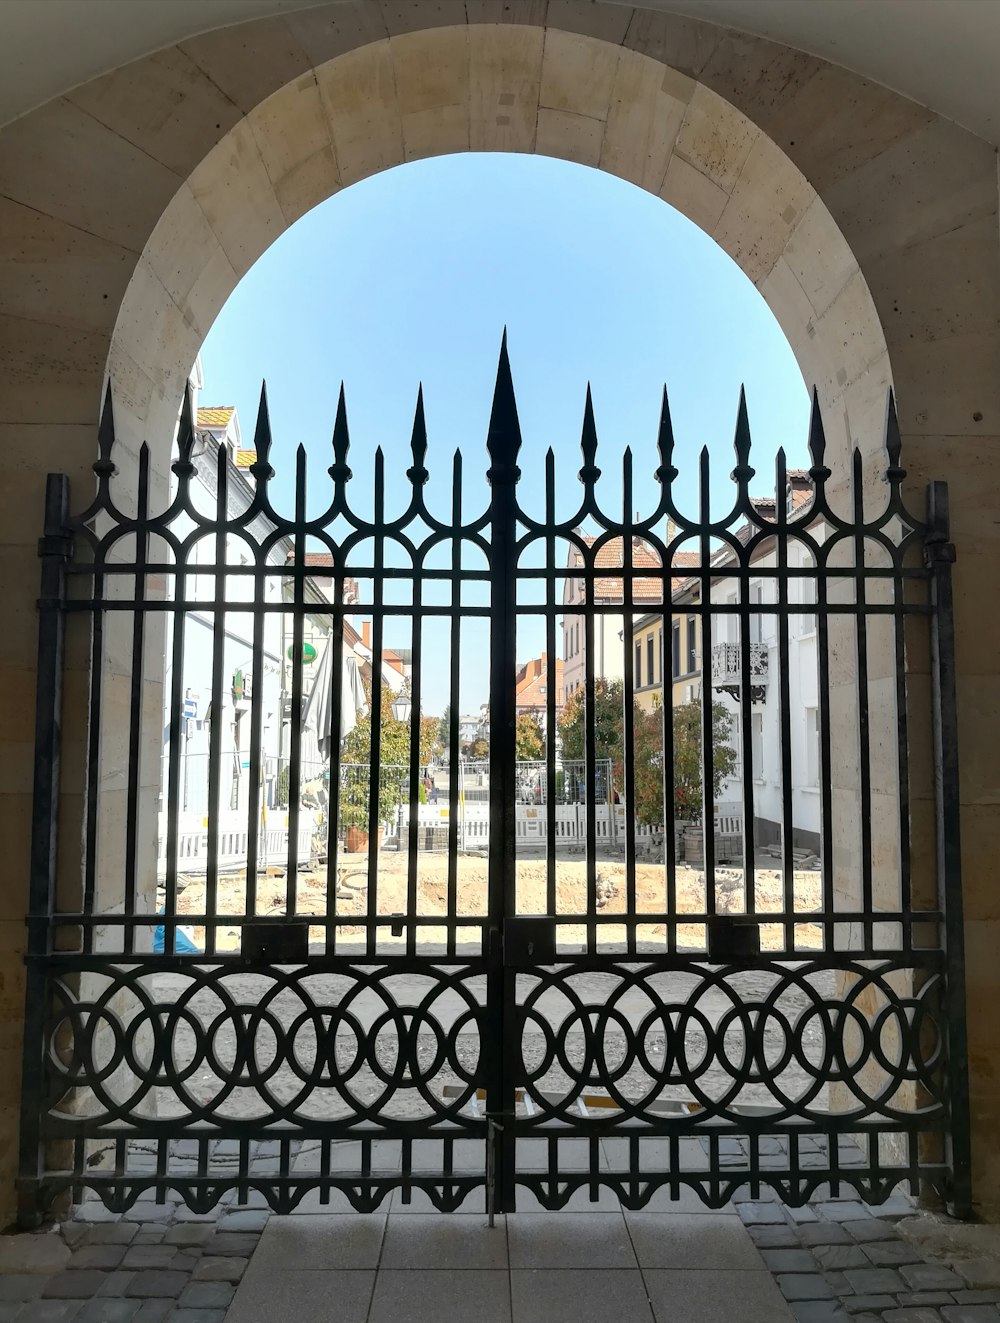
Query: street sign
point(191, 708)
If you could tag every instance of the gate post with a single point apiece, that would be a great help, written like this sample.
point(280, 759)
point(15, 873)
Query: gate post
point(503, 443)
point(939, 556)
point(55, 549)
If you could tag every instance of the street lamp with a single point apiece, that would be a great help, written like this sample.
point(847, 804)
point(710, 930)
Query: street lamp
point(401, 706)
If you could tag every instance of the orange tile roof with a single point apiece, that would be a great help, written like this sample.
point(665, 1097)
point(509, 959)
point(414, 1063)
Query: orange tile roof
point(216, 417)
point(244, 458)
point(649, 590)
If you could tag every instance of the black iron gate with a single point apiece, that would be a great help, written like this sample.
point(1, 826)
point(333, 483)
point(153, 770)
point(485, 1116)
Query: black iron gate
point(613, 1021)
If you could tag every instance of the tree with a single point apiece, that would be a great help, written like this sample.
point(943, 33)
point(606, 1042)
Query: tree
point(609, 697)
point(394, 761)
point(444, 730)
point(529, 742)
point(688, 760)
point(648, 769)
point(430, 738)
point(477, 750)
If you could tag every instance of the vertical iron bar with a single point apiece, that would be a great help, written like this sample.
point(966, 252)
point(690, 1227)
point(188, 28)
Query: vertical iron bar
point(298, 634)
point(707, 748)
point(669, 801)
point(335, 642)
point(135, 700)
point(503, 444)
point(218, 721)
point(454, 702)
point(55, 549)
point(864, 733)
point(256, 724)
point(375, 747)
point(785, 707)
point(940, 555)
point(412, 896)
point(746, 736)
point(825, 753)
point(551, 676)
point(628, 716)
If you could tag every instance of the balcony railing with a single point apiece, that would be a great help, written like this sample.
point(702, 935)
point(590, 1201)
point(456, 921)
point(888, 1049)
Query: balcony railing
point(727, 669)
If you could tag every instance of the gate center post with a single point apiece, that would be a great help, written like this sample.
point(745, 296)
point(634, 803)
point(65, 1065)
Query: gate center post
point(503, 444)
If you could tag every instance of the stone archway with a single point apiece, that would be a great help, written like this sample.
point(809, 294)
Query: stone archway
point(501, 88)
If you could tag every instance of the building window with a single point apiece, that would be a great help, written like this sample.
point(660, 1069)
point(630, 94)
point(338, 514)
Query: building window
point(812, 746)
point(756, 621)
point(577, 648)
point(650, 668)
point(757, 744)
point(541, 689)
point(692, 651)
point(676, 643)
point(638, 666)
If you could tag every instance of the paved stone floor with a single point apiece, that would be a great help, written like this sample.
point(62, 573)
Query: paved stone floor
point(753, 1262)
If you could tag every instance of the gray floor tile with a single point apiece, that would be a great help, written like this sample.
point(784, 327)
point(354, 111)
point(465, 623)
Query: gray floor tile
point(663, 1240)
point(305, 1297)
point(569, 1240)
point(330, 1243)
point(566, 1296)
point(432, 1297)
point(710, 1296)
point(454, 1241)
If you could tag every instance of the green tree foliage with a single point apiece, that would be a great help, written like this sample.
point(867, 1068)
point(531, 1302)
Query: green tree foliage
point(394, 761)
point(444, 730)
point(687, 756)
point(609, 702)
point(529, 742)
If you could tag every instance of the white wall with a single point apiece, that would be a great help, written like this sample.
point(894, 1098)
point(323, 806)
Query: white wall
point(803, 700)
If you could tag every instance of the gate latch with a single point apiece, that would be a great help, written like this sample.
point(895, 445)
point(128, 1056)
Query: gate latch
point(732, 937)
point(285, 943)
point(529, 941)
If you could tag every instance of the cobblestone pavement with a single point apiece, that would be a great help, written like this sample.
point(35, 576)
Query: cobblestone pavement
point(835, 1261)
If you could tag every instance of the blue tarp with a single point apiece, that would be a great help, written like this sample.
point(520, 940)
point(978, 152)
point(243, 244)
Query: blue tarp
point(183, 944)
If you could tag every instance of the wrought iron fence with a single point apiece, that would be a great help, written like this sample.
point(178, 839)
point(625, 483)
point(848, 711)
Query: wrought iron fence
point(500, 1025)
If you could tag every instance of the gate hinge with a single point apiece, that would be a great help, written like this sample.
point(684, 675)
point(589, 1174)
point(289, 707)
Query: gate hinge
point(939, 553)
point(56, 544)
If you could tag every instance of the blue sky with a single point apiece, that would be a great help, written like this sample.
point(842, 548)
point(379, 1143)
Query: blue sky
point(411, 276)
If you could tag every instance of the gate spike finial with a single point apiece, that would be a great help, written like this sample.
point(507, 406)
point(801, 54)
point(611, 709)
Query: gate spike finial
point(183, 466)
point(817, 442)
point(503, 441)
point(665, 444)
point(742, 473)
point(893, 442)
point(339, 470)
point(261, 467)
point(104, 465)
point(780, 485)
point(588, 443)
point(417, 473)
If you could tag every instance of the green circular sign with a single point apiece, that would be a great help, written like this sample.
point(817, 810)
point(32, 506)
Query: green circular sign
point(309, 653)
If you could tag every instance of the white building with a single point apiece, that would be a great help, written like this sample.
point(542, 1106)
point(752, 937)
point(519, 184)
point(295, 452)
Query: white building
point(609, 629)
point(218, 431)
point(765, 716)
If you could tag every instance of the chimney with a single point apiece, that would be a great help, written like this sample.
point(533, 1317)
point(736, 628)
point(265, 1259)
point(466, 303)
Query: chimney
point(366, 633)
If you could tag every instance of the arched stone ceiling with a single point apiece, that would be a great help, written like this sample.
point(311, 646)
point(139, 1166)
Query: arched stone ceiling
point(941, 53)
